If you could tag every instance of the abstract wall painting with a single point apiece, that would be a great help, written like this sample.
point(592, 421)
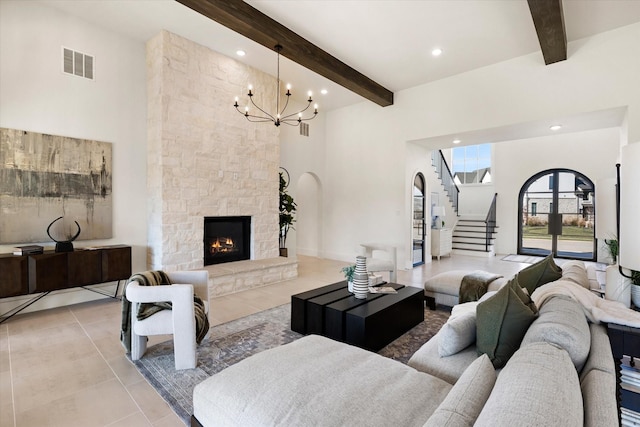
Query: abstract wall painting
point(44, 177)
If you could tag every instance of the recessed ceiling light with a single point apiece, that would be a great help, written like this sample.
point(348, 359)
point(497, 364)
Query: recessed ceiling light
point(456, 141)
point(241, 52)
point(324, 91)
point(555, 127)
point(436, 52)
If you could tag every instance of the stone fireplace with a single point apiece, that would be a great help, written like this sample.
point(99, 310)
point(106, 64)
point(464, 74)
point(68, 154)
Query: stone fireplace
point(226, 239)
point(206, 160)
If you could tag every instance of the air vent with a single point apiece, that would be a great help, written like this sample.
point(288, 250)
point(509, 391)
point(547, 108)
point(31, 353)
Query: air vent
point(77, 63)
point(304, 129)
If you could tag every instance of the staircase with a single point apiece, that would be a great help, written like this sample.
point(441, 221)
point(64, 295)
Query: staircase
point(470, 237)
point(445, 177)
point(474, 236)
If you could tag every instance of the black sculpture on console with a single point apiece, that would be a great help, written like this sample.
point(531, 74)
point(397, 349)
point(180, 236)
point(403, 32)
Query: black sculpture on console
point(65, 245)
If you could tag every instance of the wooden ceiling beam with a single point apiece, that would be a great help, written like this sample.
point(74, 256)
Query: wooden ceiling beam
point(549, 22)
point(255, 25)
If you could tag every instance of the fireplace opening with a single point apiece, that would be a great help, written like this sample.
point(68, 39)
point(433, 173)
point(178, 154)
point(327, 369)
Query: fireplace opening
point(226, 239)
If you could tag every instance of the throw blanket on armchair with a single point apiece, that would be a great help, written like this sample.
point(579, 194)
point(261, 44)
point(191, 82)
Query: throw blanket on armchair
point(596, 309)
point(475, 284)
point(156, 278)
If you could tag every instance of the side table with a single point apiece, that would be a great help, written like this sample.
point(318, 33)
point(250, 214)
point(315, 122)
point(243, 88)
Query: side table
point(441, 242)
point(625, 341)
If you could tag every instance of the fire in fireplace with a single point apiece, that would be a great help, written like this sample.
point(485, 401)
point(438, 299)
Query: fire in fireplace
point(226, 239)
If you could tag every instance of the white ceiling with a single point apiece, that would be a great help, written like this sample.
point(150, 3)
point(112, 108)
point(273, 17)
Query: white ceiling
point(388, 41)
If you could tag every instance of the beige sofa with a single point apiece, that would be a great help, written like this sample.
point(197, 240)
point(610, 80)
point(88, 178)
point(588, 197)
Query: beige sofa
point(443, 288)
point(562, 374)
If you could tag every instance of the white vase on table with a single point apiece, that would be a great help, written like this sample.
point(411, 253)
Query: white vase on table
point(360, 278)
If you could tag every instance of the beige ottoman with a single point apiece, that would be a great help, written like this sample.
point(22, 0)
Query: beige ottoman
point(444, 288)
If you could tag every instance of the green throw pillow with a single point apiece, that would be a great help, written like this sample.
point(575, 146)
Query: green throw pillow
point(502, 321)
point(538, 274)
point(524, 297)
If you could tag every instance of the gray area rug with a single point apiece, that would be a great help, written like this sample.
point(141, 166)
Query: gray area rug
point(231, 342)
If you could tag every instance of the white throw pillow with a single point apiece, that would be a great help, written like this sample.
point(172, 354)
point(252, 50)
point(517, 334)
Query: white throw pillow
point(466, 307)
point(576, 272)
point(457, 334)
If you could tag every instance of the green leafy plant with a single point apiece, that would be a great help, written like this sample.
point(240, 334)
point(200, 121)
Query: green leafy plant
point(612, 246)
point(348, 271)
point(635, 277)
point(287, 211)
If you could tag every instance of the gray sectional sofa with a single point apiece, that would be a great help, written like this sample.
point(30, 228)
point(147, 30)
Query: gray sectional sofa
point(562, 374)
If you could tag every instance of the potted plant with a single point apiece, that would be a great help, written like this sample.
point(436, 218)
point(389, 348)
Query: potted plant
point(612, 246)
point(348, 271)
point(287, 210)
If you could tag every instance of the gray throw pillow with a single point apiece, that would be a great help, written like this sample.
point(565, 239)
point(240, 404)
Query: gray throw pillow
point(457, 334)
point(576, 272)
point(466, 399)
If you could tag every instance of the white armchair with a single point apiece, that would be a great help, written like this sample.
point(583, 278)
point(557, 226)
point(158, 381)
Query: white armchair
point(179, 321)
point(380, 258)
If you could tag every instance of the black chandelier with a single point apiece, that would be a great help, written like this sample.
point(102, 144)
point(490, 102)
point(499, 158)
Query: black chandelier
point(293, 119)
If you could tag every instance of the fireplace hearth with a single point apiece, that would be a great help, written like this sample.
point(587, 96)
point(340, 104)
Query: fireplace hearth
point(226, 239)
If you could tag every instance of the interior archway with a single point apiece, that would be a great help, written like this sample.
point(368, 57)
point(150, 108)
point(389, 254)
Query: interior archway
point(418, 233)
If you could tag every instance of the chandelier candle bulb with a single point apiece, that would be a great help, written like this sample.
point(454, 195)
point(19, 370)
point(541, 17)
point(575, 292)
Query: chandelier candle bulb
point(279, 116)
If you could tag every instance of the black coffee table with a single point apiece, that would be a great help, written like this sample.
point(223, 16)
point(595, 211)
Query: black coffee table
point(369, 323)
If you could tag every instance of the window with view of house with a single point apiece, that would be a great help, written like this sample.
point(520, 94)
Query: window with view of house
point(472, 164)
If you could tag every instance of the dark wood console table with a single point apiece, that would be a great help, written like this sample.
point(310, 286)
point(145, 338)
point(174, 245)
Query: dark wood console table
point(52, 271)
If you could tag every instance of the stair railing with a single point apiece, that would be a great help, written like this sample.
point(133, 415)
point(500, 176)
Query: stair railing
point(490, 222)
point(446, 177)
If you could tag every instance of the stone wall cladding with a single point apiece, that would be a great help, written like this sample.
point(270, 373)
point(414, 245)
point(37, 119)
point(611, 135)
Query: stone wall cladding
point(205, 159)
point(251, 275)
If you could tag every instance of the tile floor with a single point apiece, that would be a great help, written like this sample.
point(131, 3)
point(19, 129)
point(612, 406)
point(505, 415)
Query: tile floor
point(66, 367)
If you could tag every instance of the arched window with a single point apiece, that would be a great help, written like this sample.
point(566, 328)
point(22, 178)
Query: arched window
point(557, 215)
point(418, 233)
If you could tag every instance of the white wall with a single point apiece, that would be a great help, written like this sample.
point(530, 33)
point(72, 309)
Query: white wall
point(36, 96)
point(601, 72)
point(418, 160)
point(301, 155)
point(365, 192)
point(593, 153)
point(367, 183)
point(308, 225)
point(475, 199)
